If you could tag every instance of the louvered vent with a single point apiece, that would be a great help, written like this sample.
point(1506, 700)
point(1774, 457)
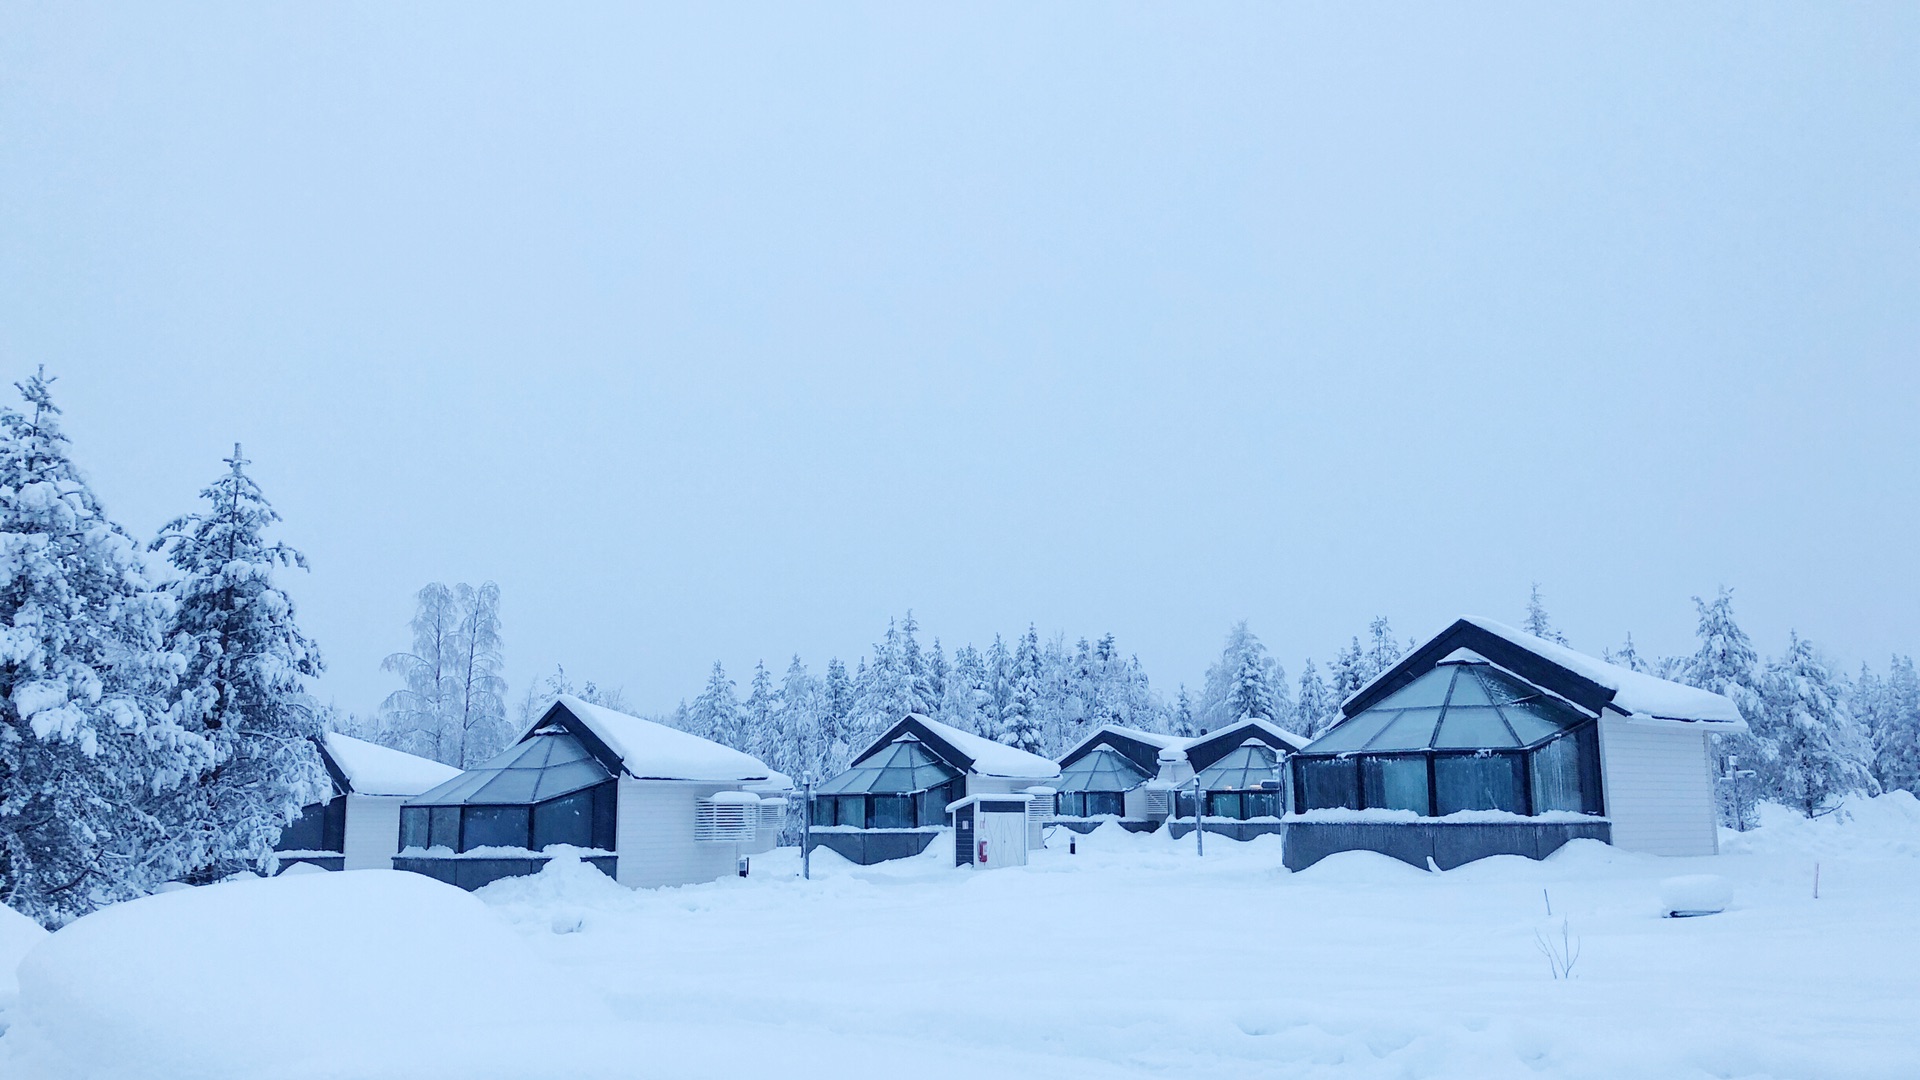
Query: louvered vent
point(725, 821)
point(773, 814)
point(1159, 803)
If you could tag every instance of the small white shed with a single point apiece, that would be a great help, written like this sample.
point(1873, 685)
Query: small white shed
point(358, 826)
point(648, 804)
point(991, 831)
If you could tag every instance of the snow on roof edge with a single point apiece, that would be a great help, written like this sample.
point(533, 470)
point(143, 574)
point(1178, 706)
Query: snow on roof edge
point(372, 769)
point(991, 758)
point(649, 750)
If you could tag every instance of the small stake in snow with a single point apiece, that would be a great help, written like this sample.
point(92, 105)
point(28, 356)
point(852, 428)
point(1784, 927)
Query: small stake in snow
point(1073, 845)
point(1549, 900)
point(1816, 881)
point(806, 832)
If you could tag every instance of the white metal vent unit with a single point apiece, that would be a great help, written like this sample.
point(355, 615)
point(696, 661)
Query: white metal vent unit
point(726, 817)
point(1159, 803)
point(773, 813)
point(1040, 806)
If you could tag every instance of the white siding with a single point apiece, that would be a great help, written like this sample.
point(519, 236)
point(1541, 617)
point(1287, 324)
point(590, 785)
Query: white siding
point(1659, 787)
point(1134, 806)
point(653, 835)
point(373, 831)
point(998, 785)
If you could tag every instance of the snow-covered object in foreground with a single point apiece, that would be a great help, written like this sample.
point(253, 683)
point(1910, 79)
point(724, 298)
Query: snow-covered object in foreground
point(651, 805)
point(18, 936)
point(893, 800)
point(1694, 894)
point(360, 975)
point(357, 827)
point(1485, 717)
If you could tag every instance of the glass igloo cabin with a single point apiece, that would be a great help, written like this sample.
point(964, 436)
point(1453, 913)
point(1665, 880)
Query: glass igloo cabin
point(1487, 740)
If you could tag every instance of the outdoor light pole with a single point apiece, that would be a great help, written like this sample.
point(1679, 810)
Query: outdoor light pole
point(1199, 818)
point(806, 830)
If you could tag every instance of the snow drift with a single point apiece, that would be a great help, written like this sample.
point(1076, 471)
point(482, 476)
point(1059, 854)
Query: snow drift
point(365, 974)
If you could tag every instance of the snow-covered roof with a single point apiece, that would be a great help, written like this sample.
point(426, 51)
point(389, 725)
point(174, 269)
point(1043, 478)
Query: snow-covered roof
point(1630, 692)
point(1157, 739)
point(777, 783)
point(1273, 730)
point(372, 769)
point(651, 751)
point(1634, 692)
point(991, 758)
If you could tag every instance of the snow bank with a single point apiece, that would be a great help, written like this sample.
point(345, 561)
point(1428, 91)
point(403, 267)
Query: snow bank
point(18, 936)
point(372, 769)
point(1695, 894)
point(365, 974)
point(1884, 825)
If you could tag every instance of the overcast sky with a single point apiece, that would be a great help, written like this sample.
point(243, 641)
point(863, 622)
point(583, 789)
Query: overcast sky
point(727, 331)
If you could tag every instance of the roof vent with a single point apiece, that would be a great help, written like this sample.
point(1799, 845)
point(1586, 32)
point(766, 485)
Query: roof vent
point(1463, 656)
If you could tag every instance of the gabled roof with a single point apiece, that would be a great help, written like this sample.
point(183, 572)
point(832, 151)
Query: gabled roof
point(1213, 746)
point(1461, 703)
point(359, 767)
point(1140, 747)
point(1588, 683)
point(648, 751)
point(1102, 768)
point(548, 763)
point(966, 751)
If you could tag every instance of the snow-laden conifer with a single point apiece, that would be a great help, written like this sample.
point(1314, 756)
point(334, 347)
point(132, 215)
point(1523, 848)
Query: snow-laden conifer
point(87, 751)
point(1896, 728)
point(1538, 623)
point(244, 666)
point(1020, 726)
point(1817, 750)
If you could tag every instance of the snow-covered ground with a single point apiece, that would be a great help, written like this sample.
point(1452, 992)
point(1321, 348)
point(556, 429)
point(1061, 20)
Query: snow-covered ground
point(1131, 958)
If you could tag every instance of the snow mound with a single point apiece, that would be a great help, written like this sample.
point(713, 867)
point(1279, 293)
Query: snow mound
point(560, 896)
point(1883, 825)
point(1360, 868)
point(18, 936)
point(214, 981)
point(1695, 894)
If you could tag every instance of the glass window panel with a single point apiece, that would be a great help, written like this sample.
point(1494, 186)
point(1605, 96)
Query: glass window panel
point(1329, 783)
point(1396, 783)
point(1473, 729)
point(496, 826)
point(1533, 721)
point(1221, 804)
point(567, 820)
point(1355, 732)
point(413, 827)
point(1478, 782)
point(307, 832)
point(566, 778)
point(606, 816)
point(1557, 774)
point(892, 812)
point(1412, 731)
point(823, 810)
point(1183, 804)
point(1259, 804)
point(930, 806)
point(1467, 689)
point(333, 829)
point(443, 827)
point(853, 810)
point(1427, 690)
point(1104, 802)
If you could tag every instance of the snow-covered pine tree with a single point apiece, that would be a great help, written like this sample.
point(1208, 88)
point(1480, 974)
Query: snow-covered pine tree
point(423, 715)
point(1896, 731)
point(1183, 722)
point(836, 707)
point(1313, 707)
point(1626, 656)
point(242, 684)
point(86, 746)
point(716, 712)
point(913, 665)
point(1020, 727)
point(938, 671)
point(1348, 672)
point(481, 693)
point(1820, 754)
point(1537, 623)
point(798, 751)
point(1000, 679)
point(966, 691)
point(1245, 681)
point(757, 716)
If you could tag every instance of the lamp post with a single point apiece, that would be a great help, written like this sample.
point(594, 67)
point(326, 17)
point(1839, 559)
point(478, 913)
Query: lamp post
point(806, 829)
point(1199, 818)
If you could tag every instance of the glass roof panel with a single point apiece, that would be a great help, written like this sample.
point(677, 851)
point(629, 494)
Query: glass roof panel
point(1427, 690)
point(1473, 729)
point(1101, 770)
point(1467, 689)
point(567, 778)
point(1412, 731)
point(1244, 769)
point(507, 786)
point(545, 765)
point(1538, 720)
point(1353, 733)
point(901, 767)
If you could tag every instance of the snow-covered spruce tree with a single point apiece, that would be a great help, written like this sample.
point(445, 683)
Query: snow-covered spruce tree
point(1627, 656)
point(86, 747)
point(1313, 707)
point(1896, 729)
point(716, 712)
point(1537, 622)
point(836, 708)
point(798, 750)
point(1383, 649)
point(1183, 722)
point(758, 716)
point(423, 716)
point(1020, 726)
point(1819, 752)
point(1244, 682)
point(243, 680)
